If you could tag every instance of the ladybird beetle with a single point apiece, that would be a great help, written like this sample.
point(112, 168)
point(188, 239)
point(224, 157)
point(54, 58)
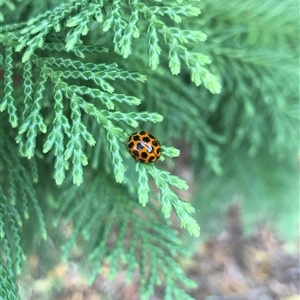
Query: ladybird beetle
point(144, 147)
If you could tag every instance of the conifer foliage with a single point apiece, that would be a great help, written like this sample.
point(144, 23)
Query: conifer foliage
point(67, 110)
point(78, 77)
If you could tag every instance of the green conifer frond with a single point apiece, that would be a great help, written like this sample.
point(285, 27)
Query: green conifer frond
point(259, 70)
point(77, 106)
point(125, 25)
point(8, 100)
point(36, 31)
point(144, 239)
point(8, 289)
point(82, 90)
point(176, 39)
point(69, 133)
point(168, 198)
point(17, 199)
point(17, 187)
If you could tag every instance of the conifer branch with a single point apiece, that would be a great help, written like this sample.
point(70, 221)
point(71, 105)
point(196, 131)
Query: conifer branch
point(69, 133)
point(17, 195)
point(9, 287)
point(8, 102)
point(18, 190)
point(144, 242)
point(169, 199)
point(79, 109)
point(125, 27)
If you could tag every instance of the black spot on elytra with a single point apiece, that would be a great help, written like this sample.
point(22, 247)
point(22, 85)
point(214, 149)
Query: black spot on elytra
point(151, 158)
point(130, 145)
point(145, 139)
point(135, 153)
point(136, 138)
point(144, 155)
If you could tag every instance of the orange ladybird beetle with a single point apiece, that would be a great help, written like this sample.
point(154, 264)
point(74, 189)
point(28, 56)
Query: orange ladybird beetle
point(144, 147)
